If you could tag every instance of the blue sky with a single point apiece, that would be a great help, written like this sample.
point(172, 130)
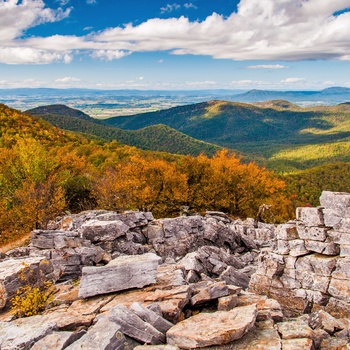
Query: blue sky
point(177, 44)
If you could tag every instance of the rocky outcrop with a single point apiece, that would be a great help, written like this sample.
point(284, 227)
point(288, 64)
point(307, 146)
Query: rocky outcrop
point(125, 272)
point(182, 283)
point(308, 270)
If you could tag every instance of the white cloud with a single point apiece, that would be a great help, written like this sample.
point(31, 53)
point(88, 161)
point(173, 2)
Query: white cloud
point(189, 5)
point(18, 16)
point(267, 66)
point(109, 55)
point(293, 80)
point(170, 8)
point(246, 83)
point(67, 80)
point(27, 55)
point(260, 30)
point(90, 2)
point(160, 61)
point(140, 78)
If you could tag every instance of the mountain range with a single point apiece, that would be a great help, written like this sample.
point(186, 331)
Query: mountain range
point(158, 137)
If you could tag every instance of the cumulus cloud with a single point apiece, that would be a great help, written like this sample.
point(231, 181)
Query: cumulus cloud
point(201, 84)
point(27, 55)
point(267, 66)
point(260, 30)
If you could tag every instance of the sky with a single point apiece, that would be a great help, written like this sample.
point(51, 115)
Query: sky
point(176, 44)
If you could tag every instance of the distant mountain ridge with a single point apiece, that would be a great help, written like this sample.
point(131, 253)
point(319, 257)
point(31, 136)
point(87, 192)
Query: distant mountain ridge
point(154, 138)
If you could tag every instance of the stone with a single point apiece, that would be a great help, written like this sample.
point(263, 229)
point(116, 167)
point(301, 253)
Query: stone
point(325, 248)
point(57, 340)
point(307, 233)
point(297, 344)
point(310, 216)
point(206, 329)
point(316, 263)
point(205, 292)
point(342, 269)
point(90, 306)
point(335, 344)
point(122, 273)
point(23, 333)
point(344, 250)
point(149, 316)
point(156, 347)
point(104, 335)
point(287, 232)
point(227, 303)
point(294, 330)
point(340, 289)
point(134, 327)
point(171, 301)
point(283, 247)
point(323, 320)
point(342, 238)
point(235, 277)
point(16, 273)
point(297, 247)
point(338, 201)
point(68, 320)
point(190, 262)
point(103, 231)
point(332, 217)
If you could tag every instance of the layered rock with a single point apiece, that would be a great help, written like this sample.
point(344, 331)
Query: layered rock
point(308, 269)
point(125, 272)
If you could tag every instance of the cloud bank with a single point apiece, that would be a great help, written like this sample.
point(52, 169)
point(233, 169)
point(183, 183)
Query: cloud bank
point(287, 30)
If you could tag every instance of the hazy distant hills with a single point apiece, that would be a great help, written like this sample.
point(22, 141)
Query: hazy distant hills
point(155, 137)
point(329, 96)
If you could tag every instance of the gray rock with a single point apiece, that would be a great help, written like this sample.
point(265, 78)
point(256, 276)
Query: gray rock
point(218, 328)
point(235, 277)
point(57, 340)
point(102, 231)
point(122, 273)
point(338, 201)
point(134, 327)
point(15, 273)
point(310, 216)
point(104, 335)
point(206, 291)
point(23, 333)
point(149, 316)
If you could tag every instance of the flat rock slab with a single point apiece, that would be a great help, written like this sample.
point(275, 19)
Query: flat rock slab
point(104, 335)
point(206, 329)
point(125, 272)
point(24, 332)
point(57, 340)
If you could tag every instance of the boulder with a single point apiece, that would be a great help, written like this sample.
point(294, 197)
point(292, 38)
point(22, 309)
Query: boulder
point(57, 340)
point(23, 333)
point(310, 216)
point(16, 273)
point(104, 335)
point(206, 329)
point(206, 291)
point(125, 272)
point(103, 231)
point(151, 317)
point(134, 327)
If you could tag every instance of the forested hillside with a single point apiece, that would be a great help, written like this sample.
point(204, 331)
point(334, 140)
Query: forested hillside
point(45, 171)
point(160, 137)
point(277, 134)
